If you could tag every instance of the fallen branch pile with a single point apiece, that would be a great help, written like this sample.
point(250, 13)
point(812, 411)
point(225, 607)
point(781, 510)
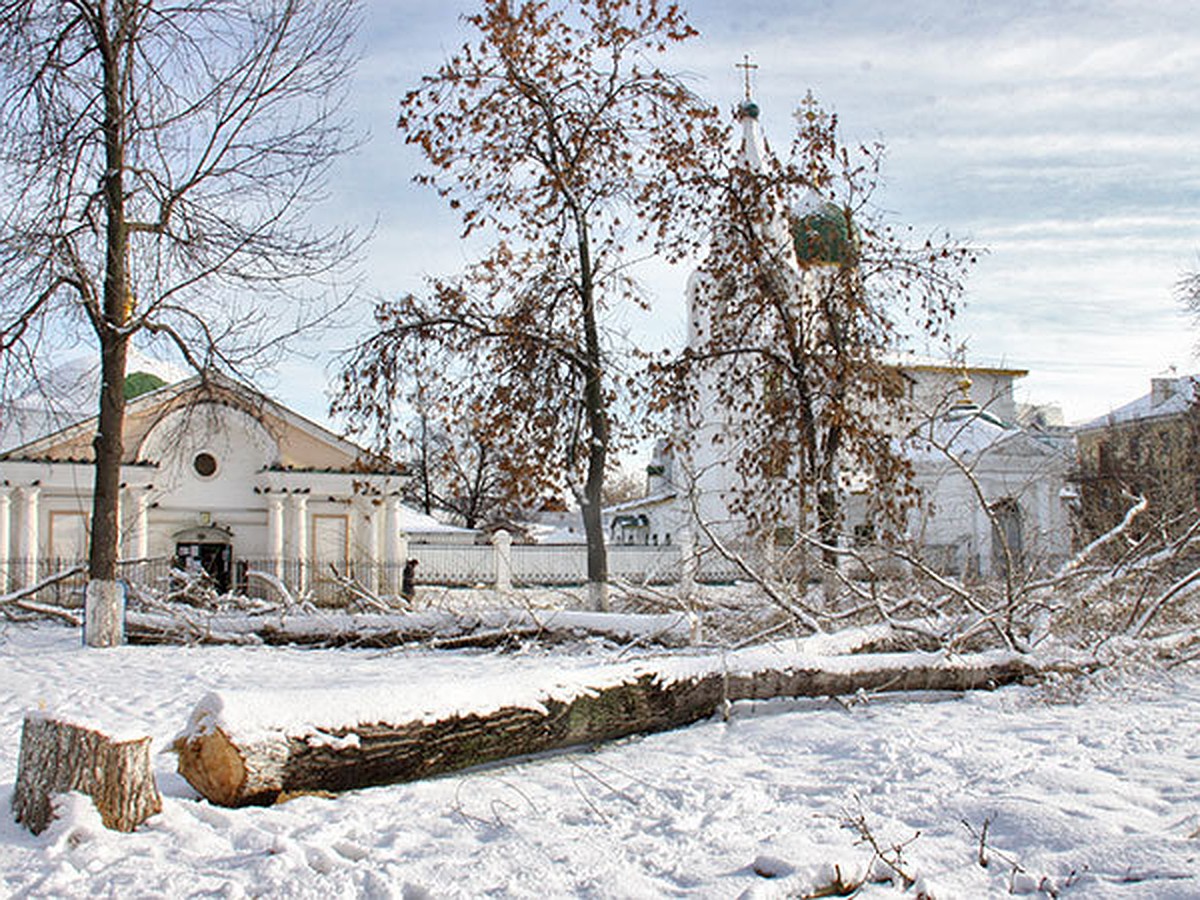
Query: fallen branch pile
point(272, 762)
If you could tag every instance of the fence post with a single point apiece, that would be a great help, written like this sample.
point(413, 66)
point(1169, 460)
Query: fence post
point(502, 544)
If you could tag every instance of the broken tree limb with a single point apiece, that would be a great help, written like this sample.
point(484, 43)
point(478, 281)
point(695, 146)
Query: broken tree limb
point(59, 756)
point(20, 599)
point(257, 763)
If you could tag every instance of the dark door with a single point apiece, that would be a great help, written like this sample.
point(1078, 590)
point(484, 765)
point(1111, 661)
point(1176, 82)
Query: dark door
point(1006, 531)
point(214, 559)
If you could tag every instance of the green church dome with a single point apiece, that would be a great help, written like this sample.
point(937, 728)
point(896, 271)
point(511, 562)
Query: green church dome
point(138, 383)
point(823, 236)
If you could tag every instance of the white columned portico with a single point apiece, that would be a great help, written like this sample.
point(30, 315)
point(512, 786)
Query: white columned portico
point(28, 536)
point(6, 553)
point(300, 540)
point(275, 534)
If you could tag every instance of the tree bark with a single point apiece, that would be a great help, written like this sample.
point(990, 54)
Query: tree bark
point(596, 413)
point(231, 772)
point(58, 756)
point(103, 613)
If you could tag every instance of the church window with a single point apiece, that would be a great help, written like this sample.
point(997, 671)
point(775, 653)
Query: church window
point(205, 465)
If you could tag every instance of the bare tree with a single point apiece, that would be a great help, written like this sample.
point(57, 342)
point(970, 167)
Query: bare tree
point(555, 132)
point(804, 294)
point(458, 471)
point(158, 161)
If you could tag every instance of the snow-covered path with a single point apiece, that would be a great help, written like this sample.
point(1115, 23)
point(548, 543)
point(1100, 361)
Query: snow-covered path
point(1099, 798)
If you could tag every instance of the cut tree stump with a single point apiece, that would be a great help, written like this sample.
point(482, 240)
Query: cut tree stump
point(233, 772)
point(58, 756)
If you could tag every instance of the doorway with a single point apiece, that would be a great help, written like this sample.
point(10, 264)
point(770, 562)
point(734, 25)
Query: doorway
point(1006, 531)
point(208, 550)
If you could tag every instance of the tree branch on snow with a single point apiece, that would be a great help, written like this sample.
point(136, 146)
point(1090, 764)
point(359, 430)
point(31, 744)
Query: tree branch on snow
point(368, 600)
point(19, 599)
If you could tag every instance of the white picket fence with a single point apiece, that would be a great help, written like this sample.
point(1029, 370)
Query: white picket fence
point(554, 564)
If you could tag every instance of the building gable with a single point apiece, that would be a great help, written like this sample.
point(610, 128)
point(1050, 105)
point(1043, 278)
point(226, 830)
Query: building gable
point(201, 401)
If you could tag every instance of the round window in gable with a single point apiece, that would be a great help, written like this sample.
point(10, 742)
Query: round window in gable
point(205, 465)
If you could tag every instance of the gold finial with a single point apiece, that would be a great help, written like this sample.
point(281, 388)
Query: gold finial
point(745, 65)
point(809, 112)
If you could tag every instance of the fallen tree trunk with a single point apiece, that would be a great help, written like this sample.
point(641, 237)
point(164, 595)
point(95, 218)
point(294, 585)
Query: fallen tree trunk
point(233, 771)
point(58, 756)
point(379, 631)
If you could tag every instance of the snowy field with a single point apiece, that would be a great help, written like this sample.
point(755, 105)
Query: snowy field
point(1086, 791)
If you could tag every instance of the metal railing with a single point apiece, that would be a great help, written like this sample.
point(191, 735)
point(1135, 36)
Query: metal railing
point(454, 565)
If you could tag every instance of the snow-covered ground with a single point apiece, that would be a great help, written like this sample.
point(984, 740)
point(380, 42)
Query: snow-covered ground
point(1087, 793)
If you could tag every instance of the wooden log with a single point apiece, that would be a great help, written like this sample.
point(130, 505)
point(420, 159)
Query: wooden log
point(233, 772)
point(58, 756)
point(376, 631)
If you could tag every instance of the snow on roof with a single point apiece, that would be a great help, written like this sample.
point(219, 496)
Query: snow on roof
point(413, 521)
point(1168, 397)
point(964, 431)
point(639, 502)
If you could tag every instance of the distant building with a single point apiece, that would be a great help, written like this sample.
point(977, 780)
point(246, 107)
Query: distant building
point(968, 412)
point(1149, 447)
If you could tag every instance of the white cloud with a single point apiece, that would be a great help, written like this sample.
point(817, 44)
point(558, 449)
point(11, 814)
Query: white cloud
point(1059, 133)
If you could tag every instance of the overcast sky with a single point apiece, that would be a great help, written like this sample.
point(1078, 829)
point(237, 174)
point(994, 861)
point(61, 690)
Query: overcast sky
point(1063, 137)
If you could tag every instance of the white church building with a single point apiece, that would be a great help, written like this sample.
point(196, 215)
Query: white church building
point(219, 477)
point(984, 482)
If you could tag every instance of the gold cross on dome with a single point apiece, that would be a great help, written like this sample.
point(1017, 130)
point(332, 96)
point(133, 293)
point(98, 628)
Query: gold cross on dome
point(745, 65)
point(810, 113)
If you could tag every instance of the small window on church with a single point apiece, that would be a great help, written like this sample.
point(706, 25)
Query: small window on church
point(205, 465)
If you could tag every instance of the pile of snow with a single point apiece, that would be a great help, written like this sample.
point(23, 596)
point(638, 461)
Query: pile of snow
point(1090, 793)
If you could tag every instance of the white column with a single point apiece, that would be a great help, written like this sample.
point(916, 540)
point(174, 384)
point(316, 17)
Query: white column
point(378, 520)
point(137, 534)
point(275, 533)
point(393, 536)
point(300, 540)
point(395, 545)
point(6, 552)
point(361, 540)
point(361, 543)
point(27, 535)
